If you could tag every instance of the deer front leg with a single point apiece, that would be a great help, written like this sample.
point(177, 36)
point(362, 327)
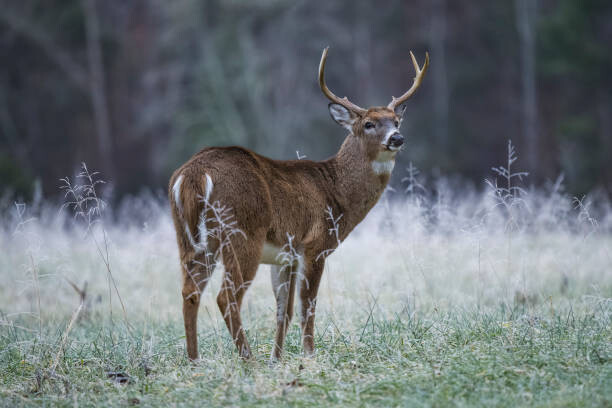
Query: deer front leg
point(309, 287)
point(283, 284)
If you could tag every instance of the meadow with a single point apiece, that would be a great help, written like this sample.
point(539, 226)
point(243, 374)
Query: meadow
point(445, 295)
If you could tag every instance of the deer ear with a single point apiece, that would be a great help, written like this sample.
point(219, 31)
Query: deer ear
point(399, 110)
point(342, 116)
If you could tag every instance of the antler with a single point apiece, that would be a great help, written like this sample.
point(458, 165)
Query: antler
point(420, 73)
point(341, 101)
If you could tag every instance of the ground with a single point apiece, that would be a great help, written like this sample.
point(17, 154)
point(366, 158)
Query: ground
point(447, 305)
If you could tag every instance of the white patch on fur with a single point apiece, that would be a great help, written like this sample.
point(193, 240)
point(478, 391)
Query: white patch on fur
point(384, 162)
point(383, 167)
point(200, 246)
point(176, 190)
point(202, 231)
point(269, 254)
point(192, 241)
point(209, 188)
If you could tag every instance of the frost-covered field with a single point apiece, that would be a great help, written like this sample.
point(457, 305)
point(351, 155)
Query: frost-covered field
point(440, 298)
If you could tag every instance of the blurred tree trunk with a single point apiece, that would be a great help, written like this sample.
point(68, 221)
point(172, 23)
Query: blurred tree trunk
point(30, 30)
point(228, 115)
point(97, 86)
point(526, 14)
point(439, 83)
point(362, 46)
point(604, 111)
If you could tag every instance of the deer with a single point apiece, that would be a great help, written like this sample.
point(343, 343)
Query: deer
point(233, 205)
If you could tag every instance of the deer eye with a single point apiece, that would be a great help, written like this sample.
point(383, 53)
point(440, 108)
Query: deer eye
point(396, 123)
point(369, 125)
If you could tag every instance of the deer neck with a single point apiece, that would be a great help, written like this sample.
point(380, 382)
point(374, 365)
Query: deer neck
point(362, 178)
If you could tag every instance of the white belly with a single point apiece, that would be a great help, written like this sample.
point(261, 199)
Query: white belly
point(269, 254)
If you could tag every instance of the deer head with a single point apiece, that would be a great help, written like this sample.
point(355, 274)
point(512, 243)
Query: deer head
point(376, 127)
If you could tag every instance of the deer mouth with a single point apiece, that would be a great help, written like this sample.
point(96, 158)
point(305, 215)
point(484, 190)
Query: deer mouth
point(393, 148)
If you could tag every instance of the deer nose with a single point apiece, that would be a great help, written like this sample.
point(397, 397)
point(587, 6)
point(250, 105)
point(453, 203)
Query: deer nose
point(396, 140)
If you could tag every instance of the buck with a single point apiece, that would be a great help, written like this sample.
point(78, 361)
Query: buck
point(232, 204)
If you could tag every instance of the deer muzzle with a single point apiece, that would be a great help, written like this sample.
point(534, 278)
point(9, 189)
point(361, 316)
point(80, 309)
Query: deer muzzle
point(396, 140)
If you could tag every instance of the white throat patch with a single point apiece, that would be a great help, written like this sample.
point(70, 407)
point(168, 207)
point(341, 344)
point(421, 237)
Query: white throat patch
point(384, 162)
point(383, 167)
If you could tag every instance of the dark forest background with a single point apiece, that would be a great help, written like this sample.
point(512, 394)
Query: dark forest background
point(134, 88)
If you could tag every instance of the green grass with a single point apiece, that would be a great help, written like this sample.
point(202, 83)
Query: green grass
point(445, 305)
point(506, 357)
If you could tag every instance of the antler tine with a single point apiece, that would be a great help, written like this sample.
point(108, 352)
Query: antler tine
point(341, 101)
point(420, 74)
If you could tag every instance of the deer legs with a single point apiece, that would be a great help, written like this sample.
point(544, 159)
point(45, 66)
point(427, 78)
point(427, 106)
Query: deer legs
point(284, 280)
point(196, 274)
point(191, 303)
point(241, 265)
point(283, 284)
point(240, 269)
point(309, 287)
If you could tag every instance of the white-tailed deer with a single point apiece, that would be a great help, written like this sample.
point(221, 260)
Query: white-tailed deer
point(233, 204)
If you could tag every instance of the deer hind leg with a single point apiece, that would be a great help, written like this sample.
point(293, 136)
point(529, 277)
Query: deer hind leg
point(241, 260)
point(283, 284)
point(197, 270)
